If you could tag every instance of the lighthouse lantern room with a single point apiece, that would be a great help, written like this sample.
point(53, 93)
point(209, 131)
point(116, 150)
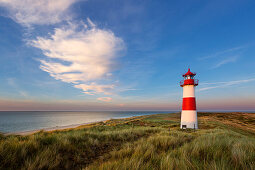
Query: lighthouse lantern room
point(189, 112)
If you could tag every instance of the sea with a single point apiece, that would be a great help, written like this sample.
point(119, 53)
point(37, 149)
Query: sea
point(21, 121)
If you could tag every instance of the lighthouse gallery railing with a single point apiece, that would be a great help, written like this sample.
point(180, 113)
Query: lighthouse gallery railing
point(189, 82)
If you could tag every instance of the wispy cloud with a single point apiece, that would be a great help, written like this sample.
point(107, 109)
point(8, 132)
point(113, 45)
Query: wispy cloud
point(226, 56)
point(225, 61)
point(105, 99)
point(12, 83)
point(224, 52)
point(29, 12)
point(93, 88)
point(80, 54)
point(77, 53)
point(124, 89)
point(223, 84)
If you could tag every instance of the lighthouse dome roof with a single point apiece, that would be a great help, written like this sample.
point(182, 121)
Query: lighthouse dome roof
point(189, 73)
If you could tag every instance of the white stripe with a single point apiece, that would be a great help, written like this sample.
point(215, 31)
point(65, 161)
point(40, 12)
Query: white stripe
point(188, 91)
point(189, 118)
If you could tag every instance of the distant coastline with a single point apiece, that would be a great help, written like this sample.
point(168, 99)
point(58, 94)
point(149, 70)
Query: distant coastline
point(29, 132)
point(16, 122)
point(72, 126)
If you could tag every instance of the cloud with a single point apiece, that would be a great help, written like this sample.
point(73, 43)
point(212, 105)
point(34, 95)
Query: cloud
point(23, 93)
point(225, 61)
point(224, 52)
point(77, 53)
point(224, 84)
point(12, 83)
point(94, 88)
point(226, 56)
point(80, 54)
point(105, 99)
point(28, 12)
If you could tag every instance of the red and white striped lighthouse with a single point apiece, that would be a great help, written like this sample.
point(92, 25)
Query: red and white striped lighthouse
point(189, 112)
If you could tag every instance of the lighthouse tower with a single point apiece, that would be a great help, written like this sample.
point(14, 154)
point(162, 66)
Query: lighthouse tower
point(189, 112)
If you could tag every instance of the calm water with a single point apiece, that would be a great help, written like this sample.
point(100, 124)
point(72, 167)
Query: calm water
point(24, 121)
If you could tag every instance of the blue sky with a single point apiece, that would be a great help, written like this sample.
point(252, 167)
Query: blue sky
point(125, 55)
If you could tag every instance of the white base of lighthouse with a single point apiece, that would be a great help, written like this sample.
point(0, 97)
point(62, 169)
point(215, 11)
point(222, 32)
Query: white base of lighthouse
point(189, 119)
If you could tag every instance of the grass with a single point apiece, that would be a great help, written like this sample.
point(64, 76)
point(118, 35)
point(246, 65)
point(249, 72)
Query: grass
point(145, 142)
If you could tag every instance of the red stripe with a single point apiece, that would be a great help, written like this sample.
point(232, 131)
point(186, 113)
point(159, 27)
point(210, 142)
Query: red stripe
point(189, 103)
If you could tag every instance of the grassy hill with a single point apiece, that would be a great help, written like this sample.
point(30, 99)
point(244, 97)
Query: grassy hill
point(224, 141)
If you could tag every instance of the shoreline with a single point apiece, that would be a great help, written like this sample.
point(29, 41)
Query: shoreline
point(30, 132)
point(140, 140)
point(50, 129)
point(72, 126)
point(33, 129)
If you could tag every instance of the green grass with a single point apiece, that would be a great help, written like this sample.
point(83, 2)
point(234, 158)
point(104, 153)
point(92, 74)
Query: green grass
point(64, 150)
point(149, 142)
point(209, 149)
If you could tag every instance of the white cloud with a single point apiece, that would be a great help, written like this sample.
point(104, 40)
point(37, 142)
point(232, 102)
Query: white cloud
point(225, 61)
point(16, 89)
point(94, 88)
point(80, 54)
point(224, 84)
point(226, 56)
point(28, 12)
point(105, 99)
point(224, 52)
point(11, 82)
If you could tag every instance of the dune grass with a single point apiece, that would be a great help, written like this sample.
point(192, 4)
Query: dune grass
point(209, 149)
point(147, 142)
point(72, 149)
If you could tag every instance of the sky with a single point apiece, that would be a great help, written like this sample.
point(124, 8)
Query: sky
point(126, 55)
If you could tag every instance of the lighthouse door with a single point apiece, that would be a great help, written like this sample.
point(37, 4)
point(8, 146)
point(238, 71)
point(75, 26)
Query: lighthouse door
point(184, 126)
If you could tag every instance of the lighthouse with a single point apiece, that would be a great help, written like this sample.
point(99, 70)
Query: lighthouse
point(189, 112)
